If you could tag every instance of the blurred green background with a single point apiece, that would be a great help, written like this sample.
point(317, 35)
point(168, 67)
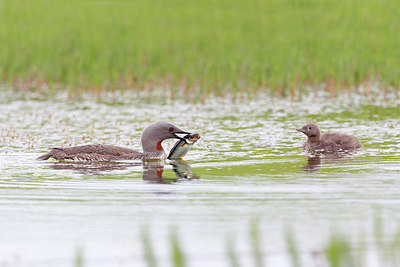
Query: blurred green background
point(217, 46)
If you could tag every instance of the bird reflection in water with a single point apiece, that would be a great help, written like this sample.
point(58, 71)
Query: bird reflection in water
point(315, 161)
point(313, 164)
point(153, 171)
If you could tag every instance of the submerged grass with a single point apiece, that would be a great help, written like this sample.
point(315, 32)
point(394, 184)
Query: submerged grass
point(198, 47)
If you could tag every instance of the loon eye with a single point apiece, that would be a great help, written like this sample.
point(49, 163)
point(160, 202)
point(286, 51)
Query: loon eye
point(309, 127)
point(171, 129)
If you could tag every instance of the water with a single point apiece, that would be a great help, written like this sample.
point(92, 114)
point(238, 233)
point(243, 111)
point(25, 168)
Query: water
point(247, 166)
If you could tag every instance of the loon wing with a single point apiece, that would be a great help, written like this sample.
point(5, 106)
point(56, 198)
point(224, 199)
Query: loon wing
point(91, 152)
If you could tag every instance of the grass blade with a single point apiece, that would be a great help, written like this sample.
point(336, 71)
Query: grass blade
point(178, 258)
point(292, 249)
point(149, 256)
point(256, 244)
point(79, 258)
point(232, 257)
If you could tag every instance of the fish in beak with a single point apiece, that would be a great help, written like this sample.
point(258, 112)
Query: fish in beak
point(182, 147)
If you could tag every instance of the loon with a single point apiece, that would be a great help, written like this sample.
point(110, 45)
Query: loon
point(151, 139)
point(329, 142)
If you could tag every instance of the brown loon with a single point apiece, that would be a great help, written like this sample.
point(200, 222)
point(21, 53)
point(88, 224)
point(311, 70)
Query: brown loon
point(152, 137)
point(329, 142)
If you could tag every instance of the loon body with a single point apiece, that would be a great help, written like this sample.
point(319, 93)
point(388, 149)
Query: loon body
point(151, 139)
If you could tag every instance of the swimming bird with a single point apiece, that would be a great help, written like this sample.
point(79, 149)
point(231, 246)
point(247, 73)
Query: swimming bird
point(151, 139)
point(329, 142)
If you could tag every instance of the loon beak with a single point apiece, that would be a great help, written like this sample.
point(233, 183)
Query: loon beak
point(300, 130)
point(181, 132)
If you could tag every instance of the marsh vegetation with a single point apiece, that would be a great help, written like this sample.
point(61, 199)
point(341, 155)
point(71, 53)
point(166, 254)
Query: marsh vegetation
point(194, 48)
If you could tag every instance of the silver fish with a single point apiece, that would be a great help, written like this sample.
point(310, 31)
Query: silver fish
point(182, 147)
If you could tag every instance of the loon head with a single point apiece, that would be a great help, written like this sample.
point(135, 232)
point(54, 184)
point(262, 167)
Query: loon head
point(157, 132)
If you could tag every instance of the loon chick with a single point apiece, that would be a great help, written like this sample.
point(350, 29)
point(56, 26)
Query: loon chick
point(329, 142)
point(152, 137)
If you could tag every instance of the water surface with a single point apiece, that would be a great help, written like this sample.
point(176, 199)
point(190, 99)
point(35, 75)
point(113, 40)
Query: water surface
point(248, 165)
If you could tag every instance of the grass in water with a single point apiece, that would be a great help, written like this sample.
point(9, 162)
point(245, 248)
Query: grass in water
point(232, 256)
point(79, 258)
point(339, 250)
point(292, 249)
point(255, 243)
point(149, 256)
point(198, 47)
point(178, 258)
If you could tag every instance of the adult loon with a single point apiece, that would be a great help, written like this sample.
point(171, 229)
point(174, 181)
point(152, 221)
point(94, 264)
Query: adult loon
point(151, 139)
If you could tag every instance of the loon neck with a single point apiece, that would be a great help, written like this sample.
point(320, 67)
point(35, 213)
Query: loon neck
point(314, 138)
point(159, 146)
point(160, 155)
point(152, 147)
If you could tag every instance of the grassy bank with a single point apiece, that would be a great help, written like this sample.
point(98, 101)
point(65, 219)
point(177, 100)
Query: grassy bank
point(216, 46)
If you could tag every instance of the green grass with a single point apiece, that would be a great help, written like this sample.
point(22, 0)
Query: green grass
point(205, 46)
point(231, 252)
point(255, 243)
point(79, 258)
point(149, 256)
point(292, 249)
point(339, 250)
point(178, 258)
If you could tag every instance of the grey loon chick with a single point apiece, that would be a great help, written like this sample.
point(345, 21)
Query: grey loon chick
point(329, 142)
point(152, 137)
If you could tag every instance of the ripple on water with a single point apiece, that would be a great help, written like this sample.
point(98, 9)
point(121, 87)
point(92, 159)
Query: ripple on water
point(248, 163)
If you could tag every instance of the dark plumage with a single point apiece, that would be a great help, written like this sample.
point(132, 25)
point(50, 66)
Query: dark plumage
point(92, 153)
point(151, 139)
point(329, 142)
